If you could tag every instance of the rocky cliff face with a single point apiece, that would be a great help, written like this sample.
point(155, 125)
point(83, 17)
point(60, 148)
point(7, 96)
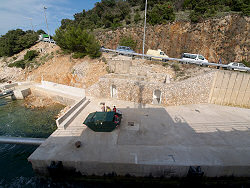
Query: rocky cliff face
point(226, 38)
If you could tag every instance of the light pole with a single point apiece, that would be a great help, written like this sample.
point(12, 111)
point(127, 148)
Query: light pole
point(31, 23)
point(44, 8)
point(144, 35)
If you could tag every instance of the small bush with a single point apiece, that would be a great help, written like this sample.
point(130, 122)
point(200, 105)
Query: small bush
point(137, 18)
point(5, 60)
point(108, 70)
point(65, 52)
point(30, 55)
point(165, 64)
point(176, 67)
point(247, 63)
point(18, 64)
point(128, 19)
point(78, 55)
point(104, 60)
point(195, 17)
point(128, 41)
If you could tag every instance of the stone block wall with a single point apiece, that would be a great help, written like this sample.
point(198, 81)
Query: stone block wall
point(191, 91)
point(137, 69)
point(120, 66)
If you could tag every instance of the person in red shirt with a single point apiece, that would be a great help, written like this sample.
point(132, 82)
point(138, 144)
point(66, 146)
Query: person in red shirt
point(114, 109)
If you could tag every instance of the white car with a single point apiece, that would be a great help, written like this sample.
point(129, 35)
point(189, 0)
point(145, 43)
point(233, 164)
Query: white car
point(194, 57)
point(236, 66)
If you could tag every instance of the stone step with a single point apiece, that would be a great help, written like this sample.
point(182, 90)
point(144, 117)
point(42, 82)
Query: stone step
point(64, 121)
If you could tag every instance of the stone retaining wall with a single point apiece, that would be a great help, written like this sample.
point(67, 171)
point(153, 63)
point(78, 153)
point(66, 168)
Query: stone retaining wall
point(231, 88)
point(191, 91)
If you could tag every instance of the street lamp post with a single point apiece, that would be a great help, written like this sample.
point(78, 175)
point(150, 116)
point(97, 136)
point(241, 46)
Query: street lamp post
point(144, 34)
point(31, 23)
point(44, 8)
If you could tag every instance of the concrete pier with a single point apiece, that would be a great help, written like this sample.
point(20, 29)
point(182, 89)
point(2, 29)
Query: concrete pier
point(21, 93)
point(20, 90)
point(153, 140)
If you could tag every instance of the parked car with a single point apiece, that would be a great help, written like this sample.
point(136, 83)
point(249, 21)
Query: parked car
point(236, 66)
point(103, 49)
point(159, 53)
point(123, 50)
point(194, 57)
point(49, 40)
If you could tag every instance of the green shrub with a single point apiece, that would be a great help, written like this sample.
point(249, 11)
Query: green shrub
point(161, 13)
point(128, 41)
point(176, 67)
point(30, 55)
point(247, 63)
point(108, 70)
point(195, 17)
point(104, 60)
point(137, 17)
point(78, 55)
point(165, 64)
point(18, 64)
point(74, 39)
point(128, 19)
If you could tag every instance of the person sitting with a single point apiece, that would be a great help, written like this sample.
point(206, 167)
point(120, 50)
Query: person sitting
point(103, 107)
point(108, 109)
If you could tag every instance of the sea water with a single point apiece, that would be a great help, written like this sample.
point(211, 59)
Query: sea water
point(18, 121)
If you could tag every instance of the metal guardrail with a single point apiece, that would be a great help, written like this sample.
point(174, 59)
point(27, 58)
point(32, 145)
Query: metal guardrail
point(20, 140)
point(201, 63)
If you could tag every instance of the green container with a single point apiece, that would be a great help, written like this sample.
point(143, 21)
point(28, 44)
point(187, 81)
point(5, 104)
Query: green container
point(102, 121)
point(45, 36)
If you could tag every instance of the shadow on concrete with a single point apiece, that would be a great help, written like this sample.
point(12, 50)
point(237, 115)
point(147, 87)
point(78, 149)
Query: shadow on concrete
point(157, 138)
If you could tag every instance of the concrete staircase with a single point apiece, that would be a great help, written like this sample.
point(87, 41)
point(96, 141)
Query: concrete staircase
point(64, 121)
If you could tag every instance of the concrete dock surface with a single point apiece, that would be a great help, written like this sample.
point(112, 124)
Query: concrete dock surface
point(154, 140)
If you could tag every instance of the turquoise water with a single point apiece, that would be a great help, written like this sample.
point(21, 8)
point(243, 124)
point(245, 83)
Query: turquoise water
point(17, 120)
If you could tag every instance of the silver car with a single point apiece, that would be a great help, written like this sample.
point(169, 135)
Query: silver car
point(124, 50)
point(236, 66)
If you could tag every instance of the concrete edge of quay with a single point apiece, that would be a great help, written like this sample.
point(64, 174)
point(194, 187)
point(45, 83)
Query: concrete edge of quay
point(42, 168)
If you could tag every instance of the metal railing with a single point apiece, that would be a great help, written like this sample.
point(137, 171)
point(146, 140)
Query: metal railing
point(20, 140)
point(164, 59)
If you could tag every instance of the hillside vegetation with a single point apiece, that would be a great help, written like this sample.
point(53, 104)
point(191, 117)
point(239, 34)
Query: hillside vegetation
point(75, 35)
point(14, 41)
point(114, 13)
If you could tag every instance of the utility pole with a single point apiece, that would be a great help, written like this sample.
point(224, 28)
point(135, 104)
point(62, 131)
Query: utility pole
point(44, 8)
point(31, 23)
point(144, 35)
